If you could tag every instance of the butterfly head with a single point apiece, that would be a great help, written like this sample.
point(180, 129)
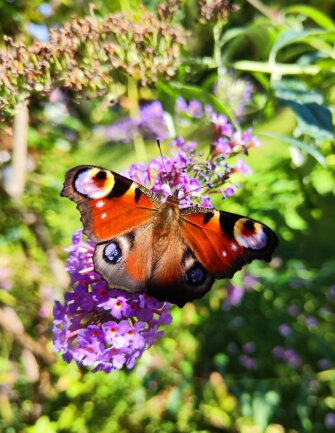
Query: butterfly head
point(173, 199)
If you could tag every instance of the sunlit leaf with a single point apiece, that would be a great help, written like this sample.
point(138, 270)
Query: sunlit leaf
point(296, 90)
point(315, 14)
point(314, 118)
point(291, 36)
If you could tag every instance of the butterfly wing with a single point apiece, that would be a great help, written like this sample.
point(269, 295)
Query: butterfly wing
point(142, 246)
point(115, 213)
point(177, 275)
point(110, 204)
point(224, 242)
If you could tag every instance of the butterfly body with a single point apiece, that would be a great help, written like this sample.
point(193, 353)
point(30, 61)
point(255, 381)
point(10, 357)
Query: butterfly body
point(144, 245)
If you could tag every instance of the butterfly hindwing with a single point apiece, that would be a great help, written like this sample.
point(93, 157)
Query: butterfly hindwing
point(224, 242)
point(161, 266)
point(120, 266)
point(109, 203)
point(190, 280)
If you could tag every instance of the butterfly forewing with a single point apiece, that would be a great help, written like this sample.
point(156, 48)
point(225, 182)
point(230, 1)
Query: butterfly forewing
point(223, 242)
point(110, 204)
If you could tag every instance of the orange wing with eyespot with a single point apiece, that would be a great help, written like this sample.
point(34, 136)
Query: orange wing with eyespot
point(224, 242)
point(110, 204)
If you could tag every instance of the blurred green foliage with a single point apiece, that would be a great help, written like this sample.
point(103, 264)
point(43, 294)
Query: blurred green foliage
point(215, 370)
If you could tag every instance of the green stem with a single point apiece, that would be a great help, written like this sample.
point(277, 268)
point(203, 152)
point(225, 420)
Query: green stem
point(265, 10)
point(221, 68)
point(217, 31)
point(281, 68)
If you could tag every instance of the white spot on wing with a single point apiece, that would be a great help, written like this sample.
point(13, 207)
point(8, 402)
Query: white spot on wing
point(103, 215)
point(234, 247)
point(224, 253)
point(100, 203)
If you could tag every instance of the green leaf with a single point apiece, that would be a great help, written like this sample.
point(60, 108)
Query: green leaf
point(264, 406)
point(233, 33)
point(314, 119)
point(294, 142)
point(43, 425)
point(294, 220)
point(7, 299)
point(316, 15)
point(291, 36)
point(295, 90)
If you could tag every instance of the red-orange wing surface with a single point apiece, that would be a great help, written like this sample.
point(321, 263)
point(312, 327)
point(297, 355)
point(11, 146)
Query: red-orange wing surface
point(110, 204)
point(224, 242)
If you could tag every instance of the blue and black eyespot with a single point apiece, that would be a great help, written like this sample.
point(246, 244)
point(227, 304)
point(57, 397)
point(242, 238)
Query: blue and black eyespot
point(112, 253)
point(195, 275)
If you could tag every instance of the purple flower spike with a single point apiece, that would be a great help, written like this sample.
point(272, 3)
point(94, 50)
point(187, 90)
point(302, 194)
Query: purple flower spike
point(330, 420)
point(192, 109)
point(181, 105)
point(151, 124)
point(195, 109)
point(234, 295)
point(100, 327)
point(242, 167)
point(290, 356)
point(285, 330)
point(248, 362)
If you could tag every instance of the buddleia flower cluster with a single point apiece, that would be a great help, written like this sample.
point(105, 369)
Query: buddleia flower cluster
point(108, 329)
point(195, 175)
point(150, 124)
point(99, 327)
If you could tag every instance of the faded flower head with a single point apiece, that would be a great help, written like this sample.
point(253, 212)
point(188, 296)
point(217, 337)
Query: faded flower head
point(89, 55)
point(99, 327)
point(214, 10)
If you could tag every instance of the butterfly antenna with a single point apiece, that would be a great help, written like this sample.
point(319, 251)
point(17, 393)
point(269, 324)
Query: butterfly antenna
point(166, 176)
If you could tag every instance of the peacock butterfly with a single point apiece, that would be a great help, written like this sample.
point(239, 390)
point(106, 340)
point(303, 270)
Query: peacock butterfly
point(144, 245)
